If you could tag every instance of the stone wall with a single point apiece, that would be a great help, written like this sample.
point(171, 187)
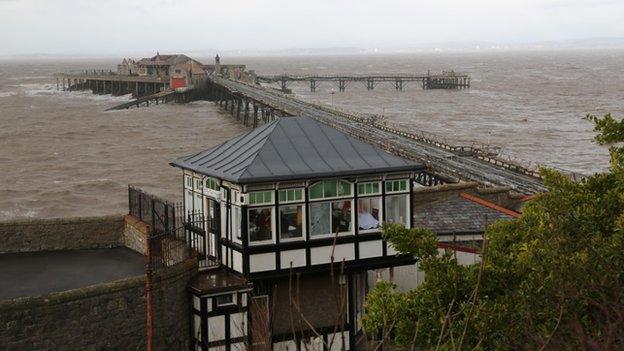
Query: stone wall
point(60, 234)
point(135, 234)
point(109, 316)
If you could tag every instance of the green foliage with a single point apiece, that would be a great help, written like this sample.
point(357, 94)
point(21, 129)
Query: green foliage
point(551, 279)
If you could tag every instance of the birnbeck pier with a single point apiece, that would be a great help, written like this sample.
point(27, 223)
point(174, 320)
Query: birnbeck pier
point(445, 80)
point(446, 163)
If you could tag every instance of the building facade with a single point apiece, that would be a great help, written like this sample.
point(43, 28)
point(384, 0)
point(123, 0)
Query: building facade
point(294, 198)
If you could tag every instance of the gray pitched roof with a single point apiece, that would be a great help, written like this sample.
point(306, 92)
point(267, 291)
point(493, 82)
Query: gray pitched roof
point(456, 215)
point(292, 148)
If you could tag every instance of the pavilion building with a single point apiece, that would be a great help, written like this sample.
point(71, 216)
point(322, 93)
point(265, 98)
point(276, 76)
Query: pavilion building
point(292, 197)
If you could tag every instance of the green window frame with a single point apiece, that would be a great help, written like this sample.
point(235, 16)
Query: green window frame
point(395, 186)
point(369, 188)
point(290, 195)
point(329, 189)
point(212, 183)
point(260, 197)
point(188, 181)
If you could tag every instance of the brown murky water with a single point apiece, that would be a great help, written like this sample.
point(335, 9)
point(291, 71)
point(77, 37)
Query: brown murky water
point(61, 155)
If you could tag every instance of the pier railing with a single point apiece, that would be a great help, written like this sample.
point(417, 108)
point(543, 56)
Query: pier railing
point(485, 153)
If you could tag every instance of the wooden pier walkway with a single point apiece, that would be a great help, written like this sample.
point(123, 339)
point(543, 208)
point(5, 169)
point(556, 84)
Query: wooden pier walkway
point(159, 97)
point(445, 80)
point(443, 160)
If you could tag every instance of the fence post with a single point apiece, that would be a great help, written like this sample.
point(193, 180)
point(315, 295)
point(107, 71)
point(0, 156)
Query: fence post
point(140, 206)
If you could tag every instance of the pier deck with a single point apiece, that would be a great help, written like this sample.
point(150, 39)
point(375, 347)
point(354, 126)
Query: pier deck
point(462, 163)
point(445, 80)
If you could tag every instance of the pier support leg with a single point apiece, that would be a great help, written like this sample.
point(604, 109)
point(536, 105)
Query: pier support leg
point(341, 85)
point(313, 85)
point(246, 114)
point(238, 108)
point(255, 116)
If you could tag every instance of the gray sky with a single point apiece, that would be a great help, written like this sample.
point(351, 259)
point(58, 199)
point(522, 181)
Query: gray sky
point(124, 26)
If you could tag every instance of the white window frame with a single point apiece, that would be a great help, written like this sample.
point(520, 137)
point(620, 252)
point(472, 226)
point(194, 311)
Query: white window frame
point(273, 229)
point(237, 235)
point(304, 222)
point(380, 215)
point(198, 184)
point(407, 208)
point(265, 203)
point(365, 194)
point(208, 190)
point(395, 181)
point(350, 196)
point(330, 202)
point(188, 182)
point(279, 192)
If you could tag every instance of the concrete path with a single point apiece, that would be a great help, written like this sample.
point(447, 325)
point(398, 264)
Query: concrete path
point(37, 273)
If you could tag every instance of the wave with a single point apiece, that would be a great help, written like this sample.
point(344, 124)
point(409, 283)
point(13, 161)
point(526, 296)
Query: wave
point(49, 89)
point(7, 94)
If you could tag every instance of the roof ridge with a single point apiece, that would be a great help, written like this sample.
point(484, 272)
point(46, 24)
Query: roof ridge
point(489, 204)
point(261, 145)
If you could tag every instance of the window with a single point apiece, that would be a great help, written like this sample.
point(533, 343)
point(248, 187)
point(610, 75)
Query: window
point(224, 300)
point(236, 223)
point(290, 195)
point(291, 222)
point(212, 183)
point(393, 186)
point(329, 189)
point(371, 188)
point(198, 203)
point(188, 182)
point(188, 201)
point(328, 218)
point(260, 224)
point(198, 184)
point(261, 197)
point(369, 213)
point(396, 209)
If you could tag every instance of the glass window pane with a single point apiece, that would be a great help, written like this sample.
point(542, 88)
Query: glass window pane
point(346, 188)
point(396, 209)
point(316, 191)
point(319, 219)
point(260, 228)
point(369, 211)
point(388, 186)
point(282, 195)
point(298, 194)
point(291, 221)
point(361, 188)
point(341, 216)
point(403, 185)
point(330, 188)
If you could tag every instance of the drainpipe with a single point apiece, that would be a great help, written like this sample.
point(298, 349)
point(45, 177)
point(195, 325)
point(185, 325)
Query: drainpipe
point(148, 292)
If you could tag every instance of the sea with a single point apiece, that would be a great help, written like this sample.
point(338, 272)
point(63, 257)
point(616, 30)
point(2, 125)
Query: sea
point(62, 155)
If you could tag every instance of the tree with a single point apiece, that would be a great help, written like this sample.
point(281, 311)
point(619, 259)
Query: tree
point(550, 279)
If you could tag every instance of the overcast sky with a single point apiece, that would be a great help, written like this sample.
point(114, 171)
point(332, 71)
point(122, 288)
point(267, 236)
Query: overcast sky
point(123, 26)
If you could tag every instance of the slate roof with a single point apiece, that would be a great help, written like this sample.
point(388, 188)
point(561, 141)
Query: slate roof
point(292, 148)
point(455, 215)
